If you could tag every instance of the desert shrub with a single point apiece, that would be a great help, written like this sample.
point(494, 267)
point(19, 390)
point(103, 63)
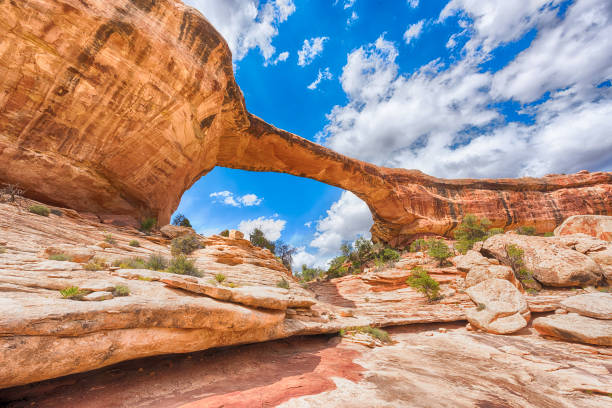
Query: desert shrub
point(549, 234)
point(94, 265)
point(283, 284)
point(39, 210)
point(134, 243)
point(57, 212)
point(130, 263)
point(420, 281)
point(481, 306)
point(439, 250)
point(389, 254)
point(526, 230)
point(224, 233)
point(336, 267)
point(121, 290)
point(11, 193)
point(420, 245)
point(147, 224)
point(471, 230)
point(156, 262)
point(375, 332)
point(515, 258)
point(59, 257)
point(185, 244)
point(108, 238)
point(258, 239)
point(307, 274)
point(182, 265)
point(2, 249)
point(285, 253)
point(73, 292)
point(181, 221)
point(220, 277)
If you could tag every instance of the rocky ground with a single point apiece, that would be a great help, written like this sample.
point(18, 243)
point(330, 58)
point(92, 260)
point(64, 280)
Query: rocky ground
point(44, 336)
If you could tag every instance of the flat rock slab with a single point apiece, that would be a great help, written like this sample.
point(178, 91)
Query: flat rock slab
point(597, 305)
point(98, 296)
point(576, 328)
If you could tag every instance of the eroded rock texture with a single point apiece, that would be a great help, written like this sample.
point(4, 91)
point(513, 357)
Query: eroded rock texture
point(116, 107)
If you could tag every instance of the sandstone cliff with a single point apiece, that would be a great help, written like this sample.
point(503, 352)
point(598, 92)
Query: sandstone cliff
point(116, 107)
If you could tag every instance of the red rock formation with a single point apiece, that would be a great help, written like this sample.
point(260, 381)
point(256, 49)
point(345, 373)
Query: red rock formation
point(116, 107)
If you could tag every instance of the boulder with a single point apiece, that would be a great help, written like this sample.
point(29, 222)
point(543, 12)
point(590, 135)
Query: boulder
point(471, 259)
point(598, 226)
point(98, 296)
point(175, 231)
point(551, 263)
point(482, 273)
point(234, 234)
point(576, 328)
point(603, 258)
point(597, 305)
point(501, 308)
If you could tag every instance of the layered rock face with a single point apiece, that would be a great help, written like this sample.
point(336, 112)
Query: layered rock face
point(116, 107)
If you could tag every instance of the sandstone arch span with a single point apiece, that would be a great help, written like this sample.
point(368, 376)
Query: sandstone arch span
point(116, 107)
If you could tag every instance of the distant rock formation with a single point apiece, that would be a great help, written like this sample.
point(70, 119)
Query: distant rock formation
point(116, 107)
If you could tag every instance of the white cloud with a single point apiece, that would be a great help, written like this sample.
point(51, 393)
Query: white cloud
point(413, 3)
point(282, 57)
point(246, 24)
point(271, 227)
point(443, 119)
point(351, 20)
point(347, 219)
point(228, 198)
point(323, 75)
point(414, 31)
point(349, 3)
point(310, 50)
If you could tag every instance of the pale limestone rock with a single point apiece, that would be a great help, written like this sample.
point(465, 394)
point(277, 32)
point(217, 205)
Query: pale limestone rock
point(76, 254)
point(598, 226)
point(597, 305)
point(576, 328)
point(505, 309)
point(98, 296)
point(478, 274)
point(551, 263)
point(472, 259)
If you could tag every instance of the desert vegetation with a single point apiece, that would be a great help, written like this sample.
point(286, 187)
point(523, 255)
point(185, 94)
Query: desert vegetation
point(361, 254)
point(181, 221)
point(148, 224)
point(524, 275)
point(471, 230)
point(39, 210)
point(375, 332)
point(420, 281)
point(185, 245)
point(182, 265)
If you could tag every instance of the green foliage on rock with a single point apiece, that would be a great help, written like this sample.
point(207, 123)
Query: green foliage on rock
point(185, 244)
point(59, 257)
point(73, 292)
point(471, 230)
point(40, 210)
point(419, 245)
point(375, 332)
point(108, 238)
point(156, 262)
point(438, 250)
point(526, 230)
point(121, 290)
point(224, 233)
point(258, 238)
point(283, 284)
point(182, 265)
point(515, 258)
point(134, 243)
point(420, 281)
point(220, 277)
point(308, 274)
point(181, 221)
point(147, 224)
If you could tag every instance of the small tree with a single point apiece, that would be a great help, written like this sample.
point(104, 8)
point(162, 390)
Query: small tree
point(181, 221)
point(420, 245)
point(420, 281)
point(515, 257)
point(258, 239)
point(307, 274)
point(147, 224)
point(526, 230)
point(224, 233)
point(471, 230)
point(185, 244)
point(285, 253)
point(439, 250)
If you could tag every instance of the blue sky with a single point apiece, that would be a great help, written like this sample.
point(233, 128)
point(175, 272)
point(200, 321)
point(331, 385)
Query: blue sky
point(460, 88)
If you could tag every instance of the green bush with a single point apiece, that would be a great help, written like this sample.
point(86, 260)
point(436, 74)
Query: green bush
point(59, 257)
point(182, 265)
point(134, 243)
point(147, 224)
point(108, 238)
point(181, 221)
point(185, 244)
point(307, 274)
point(515, 258)
point(526, 230)
point(130, 263)
point(73, 292)
point(220, 277)
point(439, 250)
point(375, 332)
point(336, 267)
point(121, 290)
point(549, 234)
point(481, 306)
point(471, 230)
point(40, 210)
point(420, 245)
point(258, 239)
point(224, 233)
point(283, 284)
point(94, 265)
point(156, 262)
point(420, 281)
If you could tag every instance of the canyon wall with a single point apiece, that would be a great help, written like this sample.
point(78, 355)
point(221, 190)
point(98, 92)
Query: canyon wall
point(116, 107)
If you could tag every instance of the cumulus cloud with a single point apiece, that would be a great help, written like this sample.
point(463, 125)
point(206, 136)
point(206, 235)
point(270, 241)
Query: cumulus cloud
point(228, 198)
point(323, 75)
point(271, 227)
point(413, 32)
point(413, 3)
point(351, 20)
point(349, 3)
point(444, 119)
point(310, 50)
point(246, 24)
point(282, 57)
